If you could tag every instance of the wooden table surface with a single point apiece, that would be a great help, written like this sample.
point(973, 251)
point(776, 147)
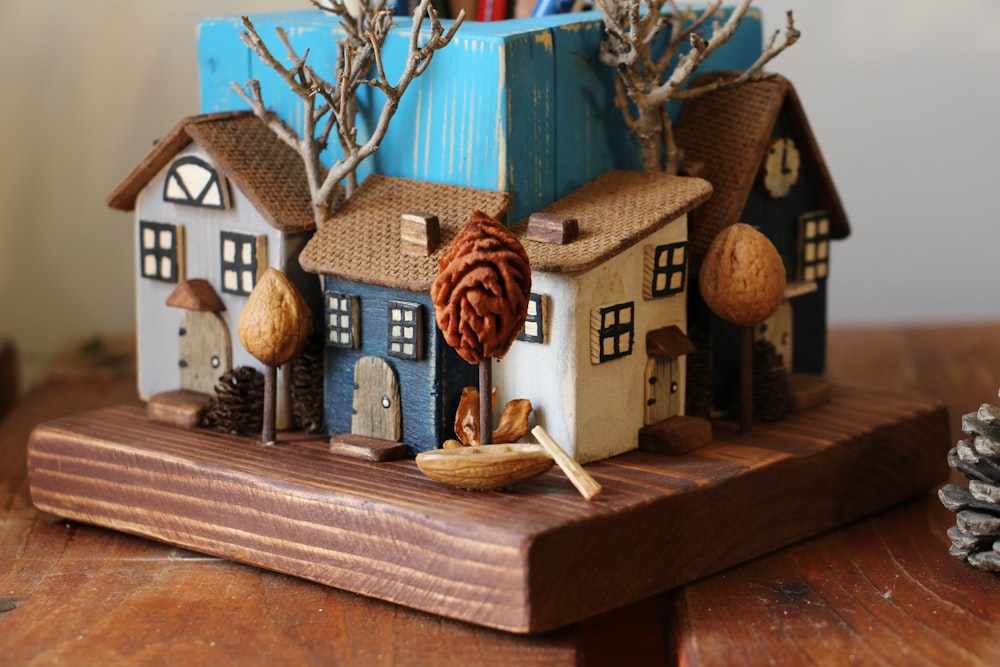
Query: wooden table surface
point(882, 590)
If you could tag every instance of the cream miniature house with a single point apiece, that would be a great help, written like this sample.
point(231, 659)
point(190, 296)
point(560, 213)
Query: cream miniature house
point(603, 350)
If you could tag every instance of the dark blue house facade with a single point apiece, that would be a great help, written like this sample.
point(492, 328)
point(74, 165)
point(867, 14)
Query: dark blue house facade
point(754, 145)
point(390, 375)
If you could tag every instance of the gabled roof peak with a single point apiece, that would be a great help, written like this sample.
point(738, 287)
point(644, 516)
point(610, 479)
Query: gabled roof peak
point(268, 171)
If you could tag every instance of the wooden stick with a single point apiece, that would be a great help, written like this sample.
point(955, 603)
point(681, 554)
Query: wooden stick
point(486, 401)
point(584, 483)
point(270, 400)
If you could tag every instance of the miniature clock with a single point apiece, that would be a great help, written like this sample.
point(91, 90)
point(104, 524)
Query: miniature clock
point(781, 167)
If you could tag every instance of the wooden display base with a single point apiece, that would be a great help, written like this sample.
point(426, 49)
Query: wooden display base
point(525, 560)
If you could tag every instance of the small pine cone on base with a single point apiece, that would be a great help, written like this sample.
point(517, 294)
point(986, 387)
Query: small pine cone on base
point(238, 407)
point(770, 383)
point(307, 386)
point(975, 537)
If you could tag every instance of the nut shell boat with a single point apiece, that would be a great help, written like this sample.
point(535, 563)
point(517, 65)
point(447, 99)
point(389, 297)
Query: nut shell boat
point(485, 467)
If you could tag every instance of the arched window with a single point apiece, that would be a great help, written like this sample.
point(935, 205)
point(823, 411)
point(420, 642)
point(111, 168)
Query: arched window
point(193, 182)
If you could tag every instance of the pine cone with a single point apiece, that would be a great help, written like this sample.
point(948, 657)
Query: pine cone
point(975, 537)
point(698, 398)
point(307, 386)
point(770, 384)
point(239, 404)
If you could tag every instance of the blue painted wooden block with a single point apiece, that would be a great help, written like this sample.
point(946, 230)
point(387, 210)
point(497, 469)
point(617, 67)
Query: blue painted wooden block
point(521, 106)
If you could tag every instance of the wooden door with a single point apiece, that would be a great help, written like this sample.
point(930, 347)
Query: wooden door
point(663, 392)
point(376, 400)
point(205, 350)
point(777, 330)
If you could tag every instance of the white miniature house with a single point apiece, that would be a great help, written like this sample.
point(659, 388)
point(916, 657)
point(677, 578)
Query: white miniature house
point(217, 201)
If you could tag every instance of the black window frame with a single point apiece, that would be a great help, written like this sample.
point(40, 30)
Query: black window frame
point(668, 270)
point(237, 264)
point(537, 318)
point(396, 343)
point(158, 252)
point(191, 198)
point(347, 306)
point(614, 330)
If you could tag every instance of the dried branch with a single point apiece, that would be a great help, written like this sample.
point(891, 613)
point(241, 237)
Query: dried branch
point(332, 105)
point(643, 86)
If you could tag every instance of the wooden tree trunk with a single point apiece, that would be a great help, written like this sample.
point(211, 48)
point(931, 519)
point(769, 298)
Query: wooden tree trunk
point(746, 378)
point(270, 403)
point(486, 401)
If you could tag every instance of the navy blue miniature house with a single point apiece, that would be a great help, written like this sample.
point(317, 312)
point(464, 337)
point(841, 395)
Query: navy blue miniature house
point(386, 360)
point(754, 145)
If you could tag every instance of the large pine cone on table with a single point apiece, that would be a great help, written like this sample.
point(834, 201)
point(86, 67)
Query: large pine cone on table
point(975, 537)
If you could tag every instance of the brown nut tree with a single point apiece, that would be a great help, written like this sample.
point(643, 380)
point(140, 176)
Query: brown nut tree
point(742, 280)
point(481, 299)
point(274, 327)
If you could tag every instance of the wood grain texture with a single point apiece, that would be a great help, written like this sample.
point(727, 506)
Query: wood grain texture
point(880, 591)
point(80, 595)
point(530, 560)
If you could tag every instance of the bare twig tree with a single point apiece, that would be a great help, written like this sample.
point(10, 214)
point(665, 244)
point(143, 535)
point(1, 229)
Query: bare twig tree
point(332, 105)
point(644, 83)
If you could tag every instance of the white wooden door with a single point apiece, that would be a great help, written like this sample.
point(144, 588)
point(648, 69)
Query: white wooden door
point(663, 395)
point(377, 409)
point(205, 350)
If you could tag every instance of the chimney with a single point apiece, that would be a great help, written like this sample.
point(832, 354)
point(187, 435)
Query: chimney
point(549, 228)
point(420, 233)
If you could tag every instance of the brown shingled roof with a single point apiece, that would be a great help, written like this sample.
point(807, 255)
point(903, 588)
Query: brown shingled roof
point(729, 131)
point(248, 153)
point(614, 211)
point(362, 242)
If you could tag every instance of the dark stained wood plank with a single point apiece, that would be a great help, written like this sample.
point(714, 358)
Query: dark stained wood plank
point(532, 560)
point(883, 590)
point(78, 594)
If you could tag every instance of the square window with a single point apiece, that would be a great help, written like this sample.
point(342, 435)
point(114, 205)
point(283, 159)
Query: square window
point(240, 262)
point(612, 333)
point(534, 325)
point(160, 251)
point(405, 330)
point(664, 270)
point(814, 246)
point(342, 319)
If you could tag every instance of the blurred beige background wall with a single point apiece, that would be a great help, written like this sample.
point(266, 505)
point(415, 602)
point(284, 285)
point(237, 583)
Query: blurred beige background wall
point(88, 86)
point(903, 96)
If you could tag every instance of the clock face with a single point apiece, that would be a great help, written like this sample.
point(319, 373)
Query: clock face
point(781, 167)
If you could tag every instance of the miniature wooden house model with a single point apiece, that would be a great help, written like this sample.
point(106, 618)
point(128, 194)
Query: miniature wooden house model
point(603, 349)
point(389, 374)
point(217, 201)
point(754, 145)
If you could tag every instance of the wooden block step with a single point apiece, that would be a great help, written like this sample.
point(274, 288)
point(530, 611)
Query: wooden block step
point(367, 449)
